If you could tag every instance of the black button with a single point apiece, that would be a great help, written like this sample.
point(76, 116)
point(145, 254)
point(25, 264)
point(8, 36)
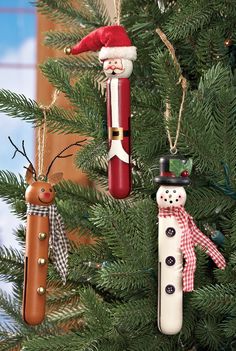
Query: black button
point(170, 289)
point(170, 261)
point(170, 232)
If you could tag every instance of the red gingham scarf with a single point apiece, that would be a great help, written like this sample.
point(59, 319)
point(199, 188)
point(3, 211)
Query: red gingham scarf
point(192, 236)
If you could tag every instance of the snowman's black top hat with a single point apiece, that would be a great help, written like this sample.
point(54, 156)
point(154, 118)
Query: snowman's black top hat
point(174, 171)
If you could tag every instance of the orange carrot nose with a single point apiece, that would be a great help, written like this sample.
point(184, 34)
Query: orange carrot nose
point(47, 195)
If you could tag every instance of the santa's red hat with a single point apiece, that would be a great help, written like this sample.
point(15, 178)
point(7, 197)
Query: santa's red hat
point(112, 41)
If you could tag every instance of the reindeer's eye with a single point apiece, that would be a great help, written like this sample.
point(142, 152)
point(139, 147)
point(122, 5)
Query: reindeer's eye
point(42, 190)
point(50, 190)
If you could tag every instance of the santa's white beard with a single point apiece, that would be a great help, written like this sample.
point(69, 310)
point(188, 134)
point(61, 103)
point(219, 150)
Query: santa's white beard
point(126, 73)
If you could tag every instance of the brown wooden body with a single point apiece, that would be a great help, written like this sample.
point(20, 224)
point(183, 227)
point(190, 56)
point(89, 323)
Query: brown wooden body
point(35, 273)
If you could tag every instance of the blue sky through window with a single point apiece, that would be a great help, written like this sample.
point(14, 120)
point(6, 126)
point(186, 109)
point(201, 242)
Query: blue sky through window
point(15, 27)
point(17, 46)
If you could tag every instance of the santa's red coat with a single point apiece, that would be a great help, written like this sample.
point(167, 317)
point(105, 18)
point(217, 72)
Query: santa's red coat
point(119, 172)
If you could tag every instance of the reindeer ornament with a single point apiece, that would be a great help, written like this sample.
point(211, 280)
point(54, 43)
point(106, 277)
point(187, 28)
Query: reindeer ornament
point(44, 230)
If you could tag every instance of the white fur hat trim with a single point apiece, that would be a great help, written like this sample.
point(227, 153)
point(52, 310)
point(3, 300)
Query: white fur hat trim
point(126, 52)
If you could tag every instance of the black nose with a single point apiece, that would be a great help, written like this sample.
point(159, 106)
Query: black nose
point(113, 73)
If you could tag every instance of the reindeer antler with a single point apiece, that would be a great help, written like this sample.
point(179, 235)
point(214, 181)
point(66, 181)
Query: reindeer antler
point(23, 153)
point(78, 143)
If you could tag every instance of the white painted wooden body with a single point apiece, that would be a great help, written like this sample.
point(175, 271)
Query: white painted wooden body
point(170, 263)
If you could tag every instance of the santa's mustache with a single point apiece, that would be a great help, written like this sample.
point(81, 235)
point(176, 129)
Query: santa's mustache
point(117, 70)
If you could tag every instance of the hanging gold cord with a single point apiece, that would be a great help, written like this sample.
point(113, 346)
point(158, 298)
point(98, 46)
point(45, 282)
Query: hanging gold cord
point(42, 135)
point(183, 82)
point(117, 5)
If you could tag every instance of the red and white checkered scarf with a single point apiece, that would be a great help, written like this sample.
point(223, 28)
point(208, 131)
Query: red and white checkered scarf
point(191, 236)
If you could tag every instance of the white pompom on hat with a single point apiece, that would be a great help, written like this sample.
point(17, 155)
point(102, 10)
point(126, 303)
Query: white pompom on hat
point(112, 41)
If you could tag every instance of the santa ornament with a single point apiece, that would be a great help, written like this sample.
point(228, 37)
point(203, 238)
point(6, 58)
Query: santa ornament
point(178, 235)
point(117, 55)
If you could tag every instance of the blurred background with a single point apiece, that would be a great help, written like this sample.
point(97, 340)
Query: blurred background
point(17, 73)
point(21, 50)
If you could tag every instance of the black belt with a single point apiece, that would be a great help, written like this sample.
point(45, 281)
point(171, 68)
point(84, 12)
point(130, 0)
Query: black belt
point(118, 133)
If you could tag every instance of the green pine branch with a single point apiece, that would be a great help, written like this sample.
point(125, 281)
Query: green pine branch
point(229, 326)
point(10, 342)
point(60, 79)
point(216, 201)
point(66, 313)
point(11, 265)
point(60, 40)
point(87, 100)
point(19, 234)
point(99, 12)
point(218, 299)
point(135, 314)
point(17, 105)
point(125, 279)
point(12, 191)
point(93, 160)
point(96, 312)
point(76, 191)
point(11, 308)
point(78, 65)
point(62, 11)
point(192, 16)
point(207, 333)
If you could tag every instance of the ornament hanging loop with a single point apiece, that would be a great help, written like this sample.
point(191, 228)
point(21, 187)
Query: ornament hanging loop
point(42, 177)
point(183, 81)
point(42, 134)
point(117, 5)
point(173, 150)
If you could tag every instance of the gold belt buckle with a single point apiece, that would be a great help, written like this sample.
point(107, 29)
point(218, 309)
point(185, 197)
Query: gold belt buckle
point(116, 133)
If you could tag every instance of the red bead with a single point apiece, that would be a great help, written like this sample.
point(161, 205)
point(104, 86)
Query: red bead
point(184, 174)
point(167, 174)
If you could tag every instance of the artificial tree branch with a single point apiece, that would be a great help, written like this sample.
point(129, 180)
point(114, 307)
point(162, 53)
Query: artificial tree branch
point(78, 143)
point(23, 153)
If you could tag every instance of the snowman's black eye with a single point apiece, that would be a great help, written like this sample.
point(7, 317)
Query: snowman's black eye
point(174, 191)
point(167, 191)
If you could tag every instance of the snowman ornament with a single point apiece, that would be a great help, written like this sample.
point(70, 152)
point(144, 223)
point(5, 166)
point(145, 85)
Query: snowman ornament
point(177, 237)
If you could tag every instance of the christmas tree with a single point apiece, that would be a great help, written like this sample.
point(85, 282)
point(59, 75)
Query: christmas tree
point(109, 301)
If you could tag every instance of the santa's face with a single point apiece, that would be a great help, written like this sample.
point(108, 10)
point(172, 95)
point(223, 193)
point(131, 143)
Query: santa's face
point(171, 195)
point(118, 68)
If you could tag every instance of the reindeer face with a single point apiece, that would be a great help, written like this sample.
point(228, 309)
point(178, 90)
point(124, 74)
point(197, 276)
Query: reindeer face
point(40, 193)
